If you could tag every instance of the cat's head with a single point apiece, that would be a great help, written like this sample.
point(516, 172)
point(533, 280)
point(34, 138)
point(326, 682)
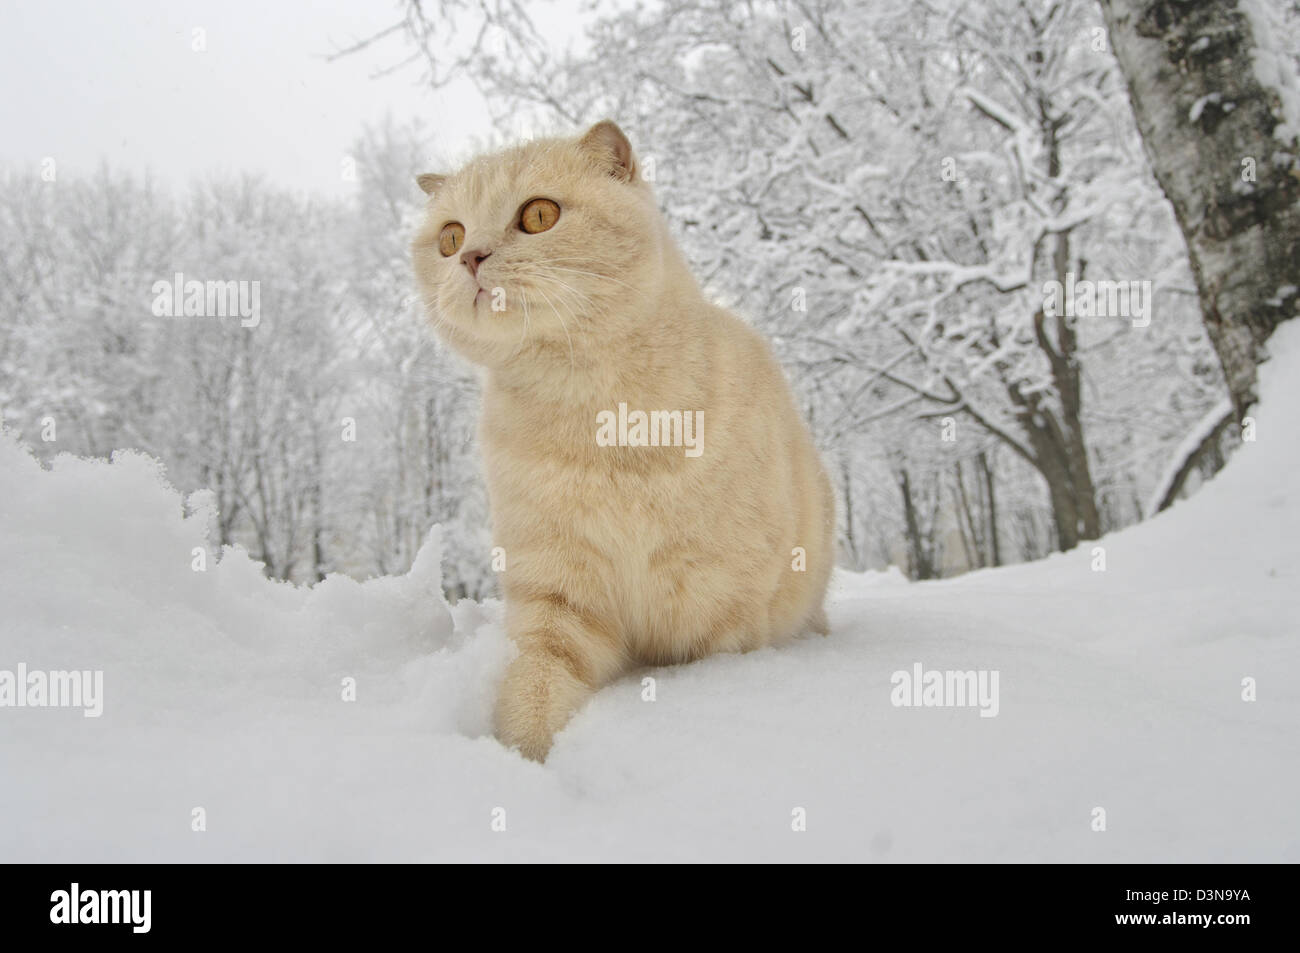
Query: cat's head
point(544, 247)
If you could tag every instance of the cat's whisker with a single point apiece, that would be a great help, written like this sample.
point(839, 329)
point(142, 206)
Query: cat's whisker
point(572, 361)
point(520, 346)
point(566, 295)
point(434, 316)
point(583, 272)
point(584, 298)
point(551, 277)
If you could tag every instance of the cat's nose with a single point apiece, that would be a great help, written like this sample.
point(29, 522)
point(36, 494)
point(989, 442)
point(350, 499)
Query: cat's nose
point(472, 258)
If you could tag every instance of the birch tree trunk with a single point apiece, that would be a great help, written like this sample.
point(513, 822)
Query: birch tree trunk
point(1193, 69)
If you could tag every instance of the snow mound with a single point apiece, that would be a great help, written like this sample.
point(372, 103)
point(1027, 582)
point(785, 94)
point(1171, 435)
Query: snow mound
point(1121, 665)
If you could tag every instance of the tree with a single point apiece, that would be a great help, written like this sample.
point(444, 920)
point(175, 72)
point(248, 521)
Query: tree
point(1217, 101)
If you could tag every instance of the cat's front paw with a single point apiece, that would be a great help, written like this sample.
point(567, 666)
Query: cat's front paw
point(530, 739)
point(538, 696)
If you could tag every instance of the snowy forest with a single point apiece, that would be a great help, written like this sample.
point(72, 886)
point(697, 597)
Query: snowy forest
point(885, 189)
point(1031, 269)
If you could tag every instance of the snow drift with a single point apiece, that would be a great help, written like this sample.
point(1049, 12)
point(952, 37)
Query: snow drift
point(1120, 689)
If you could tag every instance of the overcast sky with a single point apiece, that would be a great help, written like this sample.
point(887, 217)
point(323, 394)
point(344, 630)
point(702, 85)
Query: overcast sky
point(87, 80)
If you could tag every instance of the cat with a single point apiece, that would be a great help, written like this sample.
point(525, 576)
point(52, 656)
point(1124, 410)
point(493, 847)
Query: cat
point(628, 539)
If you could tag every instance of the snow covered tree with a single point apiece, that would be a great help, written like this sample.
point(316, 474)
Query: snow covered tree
point(1214, 88)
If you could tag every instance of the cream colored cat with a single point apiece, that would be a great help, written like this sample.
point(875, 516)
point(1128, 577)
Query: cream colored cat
point(550, 265)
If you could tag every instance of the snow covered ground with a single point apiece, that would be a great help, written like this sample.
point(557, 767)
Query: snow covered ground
point(1119, 689)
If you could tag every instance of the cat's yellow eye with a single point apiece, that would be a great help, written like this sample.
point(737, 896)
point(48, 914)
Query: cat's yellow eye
point(538, 215)
point(451, 239)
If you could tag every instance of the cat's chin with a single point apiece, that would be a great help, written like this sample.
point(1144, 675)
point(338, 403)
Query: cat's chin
point(489, 337)
point(478, 327)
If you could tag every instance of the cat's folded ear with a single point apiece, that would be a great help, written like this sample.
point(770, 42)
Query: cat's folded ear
point(430, 182)
point(610, 147)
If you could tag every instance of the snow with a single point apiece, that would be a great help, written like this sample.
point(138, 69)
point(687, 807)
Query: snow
point(1272, 59)
point(996, 111)
point(1119, 689)
point(1199, 106)
point(1195, 437)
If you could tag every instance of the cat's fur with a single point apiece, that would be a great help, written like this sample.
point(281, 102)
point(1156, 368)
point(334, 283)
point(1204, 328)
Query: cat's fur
point(618, 555)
